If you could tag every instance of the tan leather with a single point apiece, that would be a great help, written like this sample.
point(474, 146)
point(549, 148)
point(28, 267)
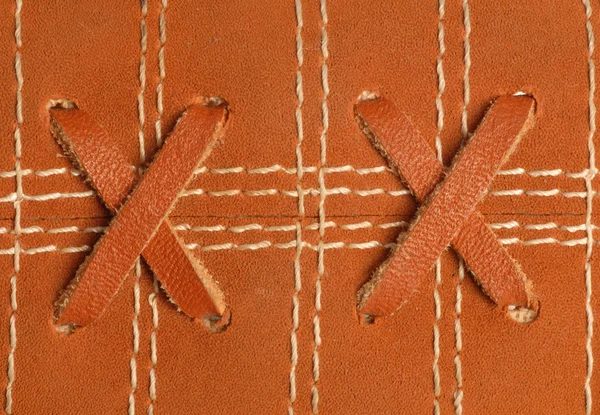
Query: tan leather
point(140, 224)
point(246, 51)
point(449, 208)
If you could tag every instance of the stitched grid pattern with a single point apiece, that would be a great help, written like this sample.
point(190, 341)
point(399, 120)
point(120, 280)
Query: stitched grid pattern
point(586, 176)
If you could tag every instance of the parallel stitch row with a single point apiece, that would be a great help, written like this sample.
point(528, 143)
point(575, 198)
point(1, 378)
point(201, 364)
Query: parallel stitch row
point(293, 244)
point(186, 227)
point(276, 168)
point(12, 197)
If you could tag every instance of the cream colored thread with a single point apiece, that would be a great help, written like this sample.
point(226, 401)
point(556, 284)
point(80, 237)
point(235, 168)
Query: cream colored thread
point(438, 264)
point(152, 298)
point(298, 228)
point(138, 270)
point(17, 205)
point(184, 227)
point(136, 338)
point(292, 244)
point(323, 195)
point(467, 62)
point(458, 394)
point(590, 198)
point(142, 79)
point(162, 73)
point(295, 317)
point(441, 81)
point(276, 168)
point(11, 197)
point(464, 128)
point(436, 337)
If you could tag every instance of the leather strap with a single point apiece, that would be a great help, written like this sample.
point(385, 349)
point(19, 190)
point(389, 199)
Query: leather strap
point(448, 212)
point(141, 225)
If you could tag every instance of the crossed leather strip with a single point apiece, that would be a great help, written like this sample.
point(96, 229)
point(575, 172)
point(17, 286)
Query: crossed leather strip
point(448, 212)
point(141, 227)
point(141, 207)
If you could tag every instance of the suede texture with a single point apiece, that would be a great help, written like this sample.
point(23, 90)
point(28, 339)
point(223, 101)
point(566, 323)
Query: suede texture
point(246, 52)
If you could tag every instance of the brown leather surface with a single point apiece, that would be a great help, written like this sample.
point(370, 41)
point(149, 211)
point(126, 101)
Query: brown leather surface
point(137, 221)
point(185, 279)
point(246, 52)
point(398, 277)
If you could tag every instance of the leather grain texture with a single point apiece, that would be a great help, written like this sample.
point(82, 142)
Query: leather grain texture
point(181, 274)
point(453, 215)
point(450, 350)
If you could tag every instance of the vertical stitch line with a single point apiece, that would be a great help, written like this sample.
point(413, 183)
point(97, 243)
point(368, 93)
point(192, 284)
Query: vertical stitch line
point(153, 347)
point(162, 26)
point(136, 338)
point(152, 298)
point(467, 62)
point(458, 393)
point(300, 174)
point(142, 78)
point(17, 205)
point(436, 337)
point(438, 265)
point(589, 203)
point(323, 194)
point(141, 140)
point(441, 80)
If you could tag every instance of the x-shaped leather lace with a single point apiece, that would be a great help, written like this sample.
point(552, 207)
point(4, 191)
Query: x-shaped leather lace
point(141, 207)
point(448, 212)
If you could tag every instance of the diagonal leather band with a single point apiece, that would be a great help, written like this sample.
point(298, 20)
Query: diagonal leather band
point(141, 225)
point(448, 213)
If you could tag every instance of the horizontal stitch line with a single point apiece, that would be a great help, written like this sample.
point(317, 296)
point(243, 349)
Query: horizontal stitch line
point(294, 193)
point(307, 169)
point(185, 227)
point(292, 244)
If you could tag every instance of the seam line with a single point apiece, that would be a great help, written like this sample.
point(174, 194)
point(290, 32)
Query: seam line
point(300, 192)
point(142, 150)
point(17, 204)
point(589, 203)
point(458, 393)
point(438, 263)
point(323, 194)
point(152, 298)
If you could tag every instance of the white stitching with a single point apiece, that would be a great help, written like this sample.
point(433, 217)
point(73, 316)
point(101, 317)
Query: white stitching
point(464, 128)
point(142, 150)
point(162, 73)
point(17, 205)
point(292, 244)
point(185, 227)
point(458, 394)
point(300, 192)
point(323, 195)
point(152, 298)
point(438, 264)
point(11, 197)
point(136, 337)
point(590, 196)
point(276, 168)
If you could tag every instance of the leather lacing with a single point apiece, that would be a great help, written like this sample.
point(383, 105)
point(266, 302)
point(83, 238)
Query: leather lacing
point(141, 207)
point(448, 212)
